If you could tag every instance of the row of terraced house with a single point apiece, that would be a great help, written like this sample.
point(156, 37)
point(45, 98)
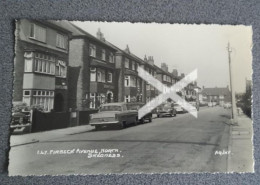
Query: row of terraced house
point(62, 67)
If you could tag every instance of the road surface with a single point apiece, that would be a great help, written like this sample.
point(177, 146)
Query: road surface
point(178, 144)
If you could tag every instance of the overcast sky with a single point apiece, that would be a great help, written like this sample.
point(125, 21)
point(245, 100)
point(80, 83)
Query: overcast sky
point(186, 47)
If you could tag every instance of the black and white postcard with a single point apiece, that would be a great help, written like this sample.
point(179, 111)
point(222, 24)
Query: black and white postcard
point(120, 97)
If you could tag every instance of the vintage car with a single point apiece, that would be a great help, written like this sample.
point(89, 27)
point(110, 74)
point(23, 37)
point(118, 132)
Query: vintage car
point(20, 122)
point(136, 106)
point(114, 114)
point(178, 108)
point(166, 110)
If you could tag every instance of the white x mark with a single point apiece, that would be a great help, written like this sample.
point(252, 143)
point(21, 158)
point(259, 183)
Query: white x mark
point(167, 92)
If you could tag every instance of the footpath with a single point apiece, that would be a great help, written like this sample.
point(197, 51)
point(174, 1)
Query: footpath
point(17, 140)
point(23, 139)
point(241, 145)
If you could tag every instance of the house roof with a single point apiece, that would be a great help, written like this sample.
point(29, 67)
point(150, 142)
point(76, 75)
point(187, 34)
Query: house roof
point(216, 91)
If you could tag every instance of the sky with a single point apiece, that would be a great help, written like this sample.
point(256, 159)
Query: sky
point(186, 47)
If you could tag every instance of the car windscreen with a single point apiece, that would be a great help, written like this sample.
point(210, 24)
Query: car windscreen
point(110, 108)
point(133, 107)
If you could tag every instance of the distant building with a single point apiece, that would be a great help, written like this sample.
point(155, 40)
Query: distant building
point(40, 64)
point(216, 94)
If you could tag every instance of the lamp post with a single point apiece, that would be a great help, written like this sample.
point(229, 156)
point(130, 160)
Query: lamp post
point(233, 101)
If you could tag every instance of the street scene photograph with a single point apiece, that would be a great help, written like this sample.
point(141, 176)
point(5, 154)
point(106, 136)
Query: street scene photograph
point(119, 97)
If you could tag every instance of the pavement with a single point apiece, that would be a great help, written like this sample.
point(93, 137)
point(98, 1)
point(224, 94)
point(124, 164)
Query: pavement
point(169, 144)
point(241, 145)
point(17, 140)
point(29, 138)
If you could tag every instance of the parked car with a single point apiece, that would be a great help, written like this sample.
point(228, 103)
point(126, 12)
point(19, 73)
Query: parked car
point(136, 106)
point(114, 114)
point(227, 105)
point(178, 108)
point(20, 121)
point(166, 110)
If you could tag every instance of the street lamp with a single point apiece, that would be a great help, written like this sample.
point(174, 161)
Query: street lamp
point(233, 115)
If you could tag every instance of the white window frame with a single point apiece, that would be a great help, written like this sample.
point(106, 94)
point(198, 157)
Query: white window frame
point(109, 77)
point(127, 98)
point(93, 74)
point(92, 50)
point(126, 63)
point(62, 69)
point(111, 58)
point(133, 65)
point(127, 81)
point(103, 54)
point(38, 33)
point(61, 41)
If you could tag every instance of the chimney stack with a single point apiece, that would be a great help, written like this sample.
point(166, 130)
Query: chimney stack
point(175, 72)
point(150, 60)
point(145, 58)
point(127, 49)
point(164, 67)
point(100, 35)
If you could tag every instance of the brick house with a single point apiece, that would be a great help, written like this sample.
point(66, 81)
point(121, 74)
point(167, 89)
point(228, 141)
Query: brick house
point(216, 94)
point(91, 70)
point(40, 64)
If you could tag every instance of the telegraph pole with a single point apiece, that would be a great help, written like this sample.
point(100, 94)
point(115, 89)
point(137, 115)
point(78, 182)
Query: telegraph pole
point(234, 115)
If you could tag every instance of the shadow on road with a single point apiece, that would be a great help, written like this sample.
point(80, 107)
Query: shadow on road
point(134, 141)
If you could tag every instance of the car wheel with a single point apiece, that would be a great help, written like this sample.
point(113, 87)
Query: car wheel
point(142, 121)
point(97, 127)
point(136, 121)
point(123, 125)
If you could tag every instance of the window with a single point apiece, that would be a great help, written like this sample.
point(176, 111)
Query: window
point(133, 65)
point(60, 41)
point(127, 63)
point(148, 86)
point(103, 54)
point(133, 81)
point(164, 77)
point(127, 81)
point(101, 75)
point(138, 83)
point(38, 33)
point(28, 65)
point(42, 64)
point(92, 50)
point(111, 58)
point(26, 93)
point(93, 76)
point(109, 77)
point(61, 69)
point(92, 100)
point(127, 98)
point(44, 98)
point(137, 65)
